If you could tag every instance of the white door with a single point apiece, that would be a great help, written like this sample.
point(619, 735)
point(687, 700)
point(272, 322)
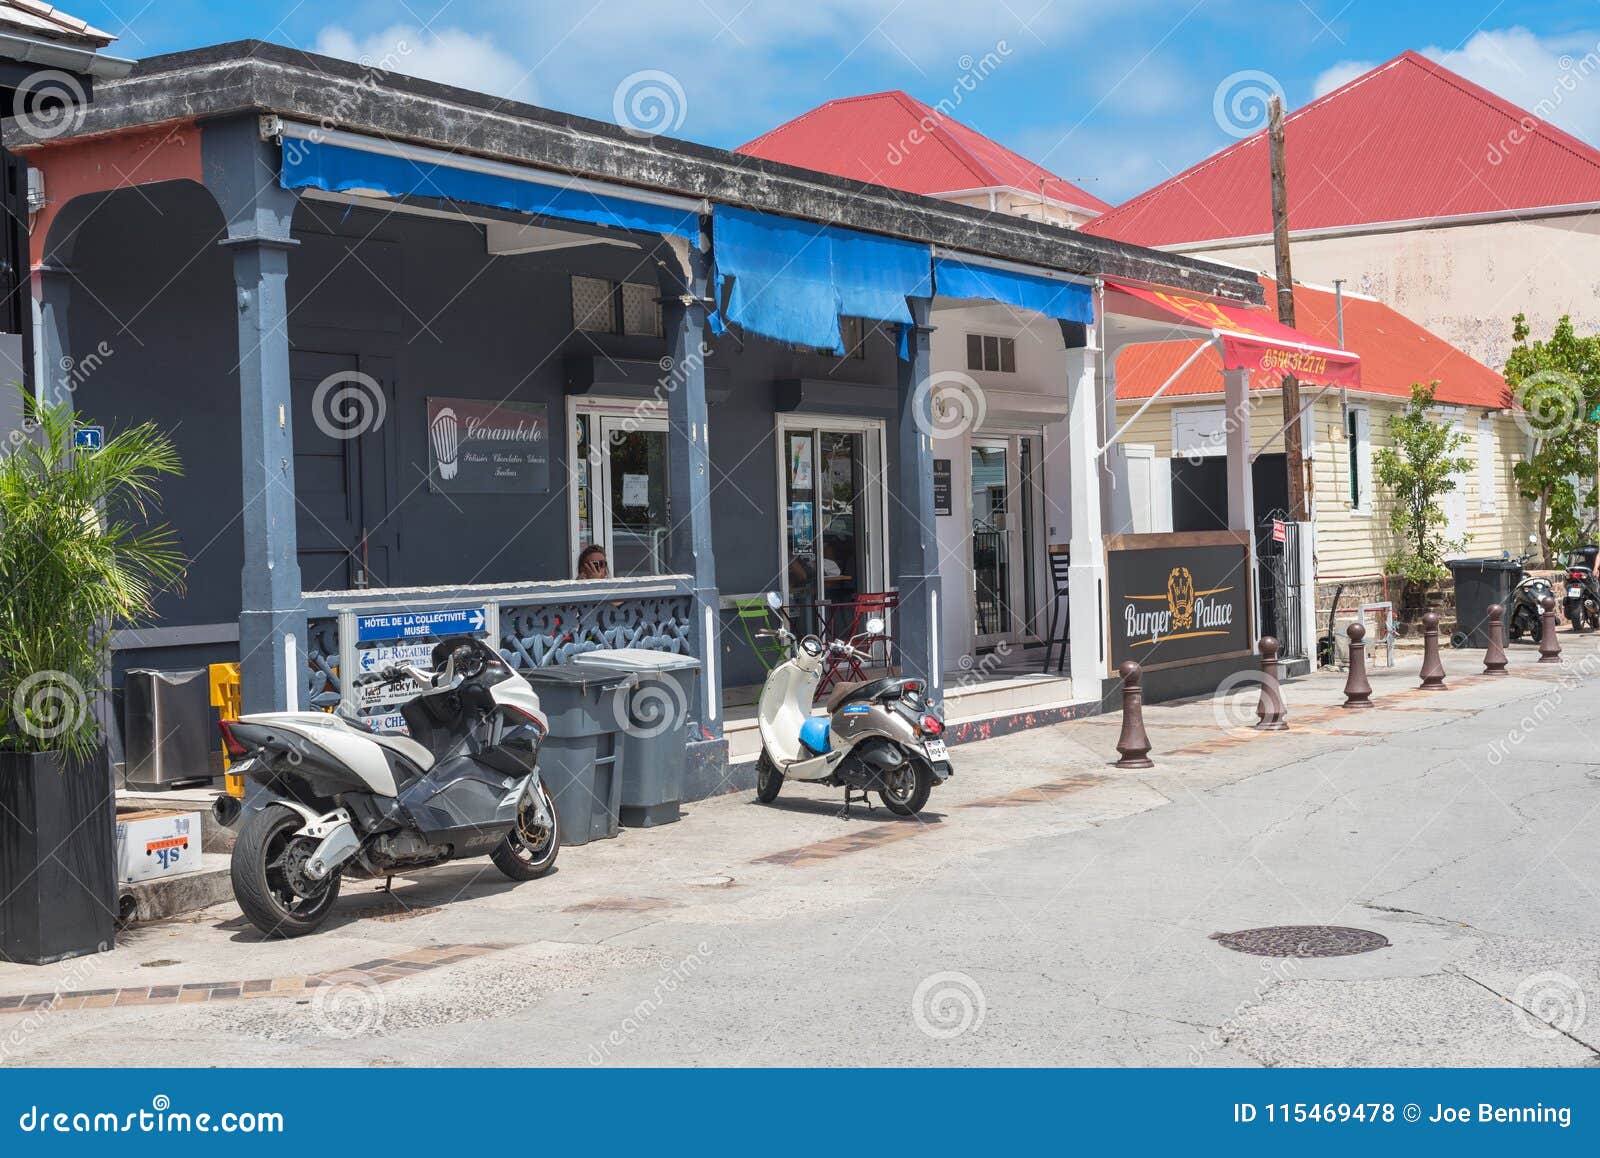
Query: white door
point(1149, 489)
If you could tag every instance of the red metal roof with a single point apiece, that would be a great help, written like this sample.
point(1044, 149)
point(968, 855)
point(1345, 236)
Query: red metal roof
point(1406, 141)
point(1394, 351)
point(890, 138)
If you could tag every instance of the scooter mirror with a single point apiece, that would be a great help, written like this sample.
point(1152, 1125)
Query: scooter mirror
point(874, 625)
point(774, 601)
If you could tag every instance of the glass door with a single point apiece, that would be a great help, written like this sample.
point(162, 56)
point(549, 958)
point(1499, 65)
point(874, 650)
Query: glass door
point(832, 515)
point(628, 458)
point(992, 571)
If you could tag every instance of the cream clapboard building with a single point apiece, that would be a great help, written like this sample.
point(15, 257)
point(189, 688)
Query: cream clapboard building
point(1172, 446)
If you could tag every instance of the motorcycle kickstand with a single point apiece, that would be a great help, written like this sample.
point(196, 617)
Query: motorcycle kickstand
point(864, 798)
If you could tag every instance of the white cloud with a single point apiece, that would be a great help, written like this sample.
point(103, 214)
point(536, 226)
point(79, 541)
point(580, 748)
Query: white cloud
point(1342, 73)
point(1557, 78)
point(448, 55)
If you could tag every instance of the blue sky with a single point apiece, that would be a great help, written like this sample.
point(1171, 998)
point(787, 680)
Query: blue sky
point(1115, 94)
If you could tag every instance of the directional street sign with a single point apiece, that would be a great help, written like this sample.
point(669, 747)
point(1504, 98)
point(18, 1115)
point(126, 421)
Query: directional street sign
point(375, 659)
point(385, 722)
point(381, 694)
point(414, 624)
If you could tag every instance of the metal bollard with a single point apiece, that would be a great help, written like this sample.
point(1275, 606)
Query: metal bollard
point(1271, 716)
point(1432, 665)
point(1549, 646)
point(1494, 656)
point(1357, 691)
point(1133, 745)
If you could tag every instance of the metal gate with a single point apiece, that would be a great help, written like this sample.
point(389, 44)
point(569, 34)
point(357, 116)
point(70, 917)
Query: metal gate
point(1280, 580)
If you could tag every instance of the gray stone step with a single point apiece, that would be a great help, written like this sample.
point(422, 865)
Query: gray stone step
point(164, 897)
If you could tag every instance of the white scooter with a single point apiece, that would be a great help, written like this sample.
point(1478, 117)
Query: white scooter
point(879, 736)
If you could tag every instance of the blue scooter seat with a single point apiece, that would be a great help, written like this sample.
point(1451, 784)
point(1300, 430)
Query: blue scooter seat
point(814, 735)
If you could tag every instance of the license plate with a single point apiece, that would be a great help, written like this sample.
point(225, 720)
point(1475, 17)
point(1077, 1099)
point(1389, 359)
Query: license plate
point(1574, 592)
point(936, 750)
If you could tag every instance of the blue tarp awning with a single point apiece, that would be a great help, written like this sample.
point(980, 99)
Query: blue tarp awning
point(791, 280)
point(341, 169)
point(1069, 301)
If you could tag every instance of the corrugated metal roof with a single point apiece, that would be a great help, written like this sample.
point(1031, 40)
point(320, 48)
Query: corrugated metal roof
point(31, 18)
point(893, 139)
point(1409, 140)
point(1394, 350)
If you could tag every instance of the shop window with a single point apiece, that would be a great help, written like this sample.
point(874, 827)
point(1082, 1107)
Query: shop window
point(602, 306)
point(1358, 458)
point(852, 334)
point(991, 353)
point(833, 512)
point(641, 312)
point(593, 309)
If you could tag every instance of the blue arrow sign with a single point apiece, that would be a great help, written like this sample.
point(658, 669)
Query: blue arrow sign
point(414, 624)
point(375, 659)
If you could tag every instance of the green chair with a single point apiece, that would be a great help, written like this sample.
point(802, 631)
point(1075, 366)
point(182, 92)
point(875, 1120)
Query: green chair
point(754, 615)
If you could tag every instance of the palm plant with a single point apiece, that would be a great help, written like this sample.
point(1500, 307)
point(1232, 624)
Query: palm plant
point(77, 558)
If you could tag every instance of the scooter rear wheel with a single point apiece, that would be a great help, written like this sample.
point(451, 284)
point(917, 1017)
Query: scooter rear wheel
point(769, 781)
point(268, 861)
point(906, 789)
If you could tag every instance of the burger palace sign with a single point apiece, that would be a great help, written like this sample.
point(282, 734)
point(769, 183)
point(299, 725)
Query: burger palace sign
point(1177, 599)
point(478, 446)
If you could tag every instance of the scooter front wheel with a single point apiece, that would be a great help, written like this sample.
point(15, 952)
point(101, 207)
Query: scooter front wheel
point(769, 781)
point(269, 879)
point(906, 788)
point(529, 850)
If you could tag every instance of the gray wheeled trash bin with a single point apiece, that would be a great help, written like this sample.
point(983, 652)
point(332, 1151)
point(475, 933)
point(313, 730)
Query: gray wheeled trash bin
point(653, 718)
point(578, 759)
point(1480, 584)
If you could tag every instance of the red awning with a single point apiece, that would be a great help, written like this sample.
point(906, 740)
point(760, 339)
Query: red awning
point(1251, 339)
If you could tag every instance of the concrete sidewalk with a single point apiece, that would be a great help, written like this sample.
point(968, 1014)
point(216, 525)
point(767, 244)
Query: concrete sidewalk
point(1046, 909)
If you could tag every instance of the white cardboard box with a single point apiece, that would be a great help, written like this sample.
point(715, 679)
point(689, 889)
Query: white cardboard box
point(157, 843)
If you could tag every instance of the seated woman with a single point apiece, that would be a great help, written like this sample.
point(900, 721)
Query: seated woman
point(592, 563)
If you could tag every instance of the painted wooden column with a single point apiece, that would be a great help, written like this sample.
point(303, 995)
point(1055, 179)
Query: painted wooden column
point(240, 170)
point(689, 473)
point(1241, 485)
point(914, 527)
point(1086, 575)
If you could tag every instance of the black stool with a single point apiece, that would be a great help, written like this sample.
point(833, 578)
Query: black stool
point(1060, 608)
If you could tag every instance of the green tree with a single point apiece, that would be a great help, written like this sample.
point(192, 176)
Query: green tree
point(77, 558)
point(1417, 470)
point(1555, 384)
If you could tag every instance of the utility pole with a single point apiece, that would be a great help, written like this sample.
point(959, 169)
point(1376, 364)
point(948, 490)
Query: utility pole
point(1280, 246)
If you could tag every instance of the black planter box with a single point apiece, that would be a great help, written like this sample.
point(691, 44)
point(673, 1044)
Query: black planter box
point(58, 895)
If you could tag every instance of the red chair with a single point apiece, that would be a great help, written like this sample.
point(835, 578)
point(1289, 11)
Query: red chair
point(847, 668)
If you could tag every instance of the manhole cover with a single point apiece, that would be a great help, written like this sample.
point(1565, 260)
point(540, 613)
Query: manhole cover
point(1302, 941)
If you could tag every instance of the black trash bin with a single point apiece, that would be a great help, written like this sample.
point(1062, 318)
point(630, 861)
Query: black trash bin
point(578, 759)
point(166, 727)
point(1480, 584)
point(653, 718)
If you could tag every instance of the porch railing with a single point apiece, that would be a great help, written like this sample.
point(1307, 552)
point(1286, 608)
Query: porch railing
point(533, 624)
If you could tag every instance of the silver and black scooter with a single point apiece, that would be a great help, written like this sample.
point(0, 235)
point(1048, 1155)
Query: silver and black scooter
point(879, 736)
point(338, 799)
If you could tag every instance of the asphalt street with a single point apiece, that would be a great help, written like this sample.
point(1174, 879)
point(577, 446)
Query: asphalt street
point(1047, 909)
